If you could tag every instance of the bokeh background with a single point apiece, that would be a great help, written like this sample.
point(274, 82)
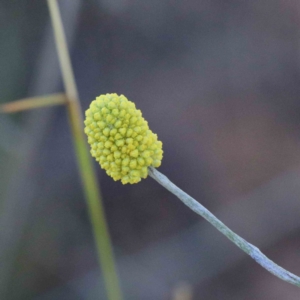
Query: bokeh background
point(219, 82)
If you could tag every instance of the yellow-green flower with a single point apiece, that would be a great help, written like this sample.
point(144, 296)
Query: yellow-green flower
point(120, 138)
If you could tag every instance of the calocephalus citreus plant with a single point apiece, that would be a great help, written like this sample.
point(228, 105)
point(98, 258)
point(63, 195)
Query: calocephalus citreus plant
point(120, 138)
point(125, 147)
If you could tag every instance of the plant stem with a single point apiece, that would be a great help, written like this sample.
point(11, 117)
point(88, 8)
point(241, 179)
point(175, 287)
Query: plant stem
point(250, 249)
point(87, 172)
point(33, 102)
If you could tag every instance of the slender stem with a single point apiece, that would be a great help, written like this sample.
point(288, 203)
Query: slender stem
point(87, 172)
point(33, 102)
point(250, 249)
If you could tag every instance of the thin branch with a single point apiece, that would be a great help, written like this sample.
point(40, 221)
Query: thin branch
point(33, 102)
point(87, 172)
point(250, 249)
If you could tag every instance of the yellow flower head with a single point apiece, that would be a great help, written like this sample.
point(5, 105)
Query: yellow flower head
point(120, 138)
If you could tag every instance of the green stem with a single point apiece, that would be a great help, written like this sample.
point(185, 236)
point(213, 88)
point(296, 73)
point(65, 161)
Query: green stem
point(33, 102)
point(87, 172)
point(248, 248)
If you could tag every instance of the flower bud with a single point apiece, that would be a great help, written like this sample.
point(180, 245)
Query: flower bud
point(120, 138)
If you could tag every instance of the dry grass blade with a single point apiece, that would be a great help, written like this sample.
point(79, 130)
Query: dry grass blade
point(33, 102)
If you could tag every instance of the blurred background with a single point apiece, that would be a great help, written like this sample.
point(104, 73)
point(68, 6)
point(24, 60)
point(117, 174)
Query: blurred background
point(219, 82)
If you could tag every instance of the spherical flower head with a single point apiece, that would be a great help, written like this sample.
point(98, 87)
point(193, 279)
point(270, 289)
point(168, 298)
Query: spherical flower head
point(120, 138)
